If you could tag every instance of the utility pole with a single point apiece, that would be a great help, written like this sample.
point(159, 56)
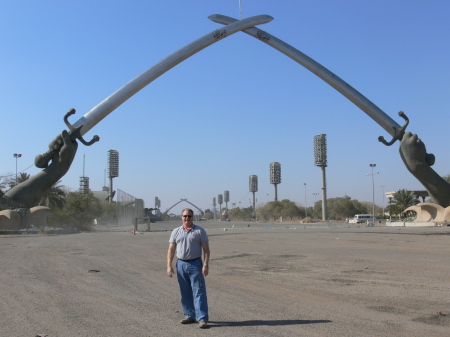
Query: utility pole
point(373, 192)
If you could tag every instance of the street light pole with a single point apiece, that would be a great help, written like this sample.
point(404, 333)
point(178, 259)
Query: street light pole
point(373, 192)
point(17, 156)
point(382, 190)
point(315, 197)
point(315, 200)
point(306, 204)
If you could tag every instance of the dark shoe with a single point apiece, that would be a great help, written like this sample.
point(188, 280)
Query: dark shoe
point(187, 320)
point(203, 325)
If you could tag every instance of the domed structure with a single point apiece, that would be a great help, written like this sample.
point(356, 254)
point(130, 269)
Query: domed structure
point(346, 197)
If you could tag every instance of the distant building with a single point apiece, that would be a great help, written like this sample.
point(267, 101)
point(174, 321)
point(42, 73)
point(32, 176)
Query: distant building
point(418, 194)
point(101, 195)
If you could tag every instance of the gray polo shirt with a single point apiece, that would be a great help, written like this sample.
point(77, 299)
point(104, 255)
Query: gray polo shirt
point(189, 244)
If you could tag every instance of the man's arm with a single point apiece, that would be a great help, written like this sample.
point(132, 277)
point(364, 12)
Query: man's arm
point(206, 254)
point(170, 256)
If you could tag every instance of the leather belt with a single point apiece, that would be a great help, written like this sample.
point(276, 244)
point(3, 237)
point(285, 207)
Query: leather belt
point(198, 258)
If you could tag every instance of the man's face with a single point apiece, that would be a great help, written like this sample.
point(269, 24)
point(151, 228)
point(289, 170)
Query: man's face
point(188, 218)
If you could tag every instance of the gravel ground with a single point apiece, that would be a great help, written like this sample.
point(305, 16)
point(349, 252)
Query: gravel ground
point(265, 280)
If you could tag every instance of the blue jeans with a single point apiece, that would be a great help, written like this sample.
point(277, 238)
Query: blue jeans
point(193, 289)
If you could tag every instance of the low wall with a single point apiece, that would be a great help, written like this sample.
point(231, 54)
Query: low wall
point(410, 224)
point(34, 231)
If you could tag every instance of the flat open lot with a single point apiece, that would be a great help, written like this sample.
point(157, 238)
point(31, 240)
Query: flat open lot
point(284, 280)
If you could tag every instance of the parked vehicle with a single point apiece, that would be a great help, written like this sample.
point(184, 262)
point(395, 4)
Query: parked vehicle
point(360, 218)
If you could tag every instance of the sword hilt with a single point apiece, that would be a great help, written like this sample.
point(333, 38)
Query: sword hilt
point(398, 135)
point(398, 132)
point(75, 132)
point(42, 160)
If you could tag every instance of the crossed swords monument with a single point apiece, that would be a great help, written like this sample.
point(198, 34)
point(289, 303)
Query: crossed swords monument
point(57, 160)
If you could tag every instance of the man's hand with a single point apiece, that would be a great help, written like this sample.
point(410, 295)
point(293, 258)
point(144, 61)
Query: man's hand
point(170, 255)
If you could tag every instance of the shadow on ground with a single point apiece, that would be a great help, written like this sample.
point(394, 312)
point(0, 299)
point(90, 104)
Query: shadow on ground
point(269, 323)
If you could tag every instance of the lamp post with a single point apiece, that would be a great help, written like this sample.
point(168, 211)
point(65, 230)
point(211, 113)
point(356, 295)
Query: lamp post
point(382, 190)
point(306, 204)
point(17, 156)
point(315, 197)
point(390, 216)
point(373, 192)
point(315, 201)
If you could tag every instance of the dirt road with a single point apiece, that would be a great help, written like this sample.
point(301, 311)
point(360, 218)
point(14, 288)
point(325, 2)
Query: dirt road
point(283, 280)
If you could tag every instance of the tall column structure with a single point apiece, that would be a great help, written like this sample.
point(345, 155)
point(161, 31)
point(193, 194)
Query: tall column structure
point(226, 198)
point(320, 159)
point(220, 201)
point(253, 187)
point(113, 170)
point(275, 176)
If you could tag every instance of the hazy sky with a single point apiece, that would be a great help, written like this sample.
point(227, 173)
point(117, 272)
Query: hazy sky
point(235, 107)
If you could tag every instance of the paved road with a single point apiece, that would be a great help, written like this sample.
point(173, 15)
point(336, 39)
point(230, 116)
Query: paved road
point(265, 280)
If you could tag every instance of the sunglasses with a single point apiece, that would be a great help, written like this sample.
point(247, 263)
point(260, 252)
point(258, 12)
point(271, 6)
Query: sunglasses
point(187, 216)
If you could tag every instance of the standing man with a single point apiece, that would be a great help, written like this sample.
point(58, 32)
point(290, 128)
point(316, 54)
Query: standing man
point(188, 241)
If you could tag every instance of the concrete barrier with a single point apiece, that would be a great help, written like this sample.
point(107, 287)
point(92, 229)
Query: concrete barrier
point(410, 224)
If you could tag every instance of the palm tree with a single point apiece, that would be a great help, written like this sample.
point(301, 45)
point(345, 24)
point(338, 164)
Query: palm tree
point(11, 181)
point(2, 202)
point(55, 197)
point(404, 199)
point(22, 177)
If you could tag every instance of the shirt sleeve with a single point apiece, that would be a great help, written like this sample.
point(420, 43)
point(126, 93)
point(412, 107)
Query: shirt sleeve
point(173, 236)
point(204, 237)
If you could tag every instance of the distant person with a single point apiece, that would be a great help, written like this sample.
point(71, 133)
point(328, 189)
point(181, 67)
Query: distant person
point(188, 241)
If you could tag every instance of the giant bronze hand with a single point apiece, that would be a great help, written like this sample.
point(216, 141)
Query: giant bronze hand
point(29, 192)
point(54, 147)
point(416, 159)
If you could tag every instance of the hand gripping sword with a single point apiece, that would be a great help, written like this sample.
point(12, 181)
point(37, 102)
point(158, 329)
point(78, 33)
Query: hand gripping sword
point(378, 115)
point(109, 104)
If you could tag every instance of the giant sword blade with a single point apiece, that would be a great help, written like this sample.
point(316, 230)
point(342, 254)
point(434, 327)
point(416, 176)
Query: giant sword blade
point(109, 104)
point(378, 115)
